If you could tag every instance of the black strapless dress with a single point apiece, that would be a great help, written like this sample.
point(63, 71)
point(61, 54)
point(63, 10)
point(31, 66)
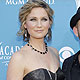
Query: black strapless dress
point(44, 74)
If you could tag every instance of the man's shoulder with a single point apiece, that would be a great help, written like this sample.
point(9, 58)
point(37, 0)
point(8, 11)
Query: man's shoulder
point(69, 61)
point(69, 58)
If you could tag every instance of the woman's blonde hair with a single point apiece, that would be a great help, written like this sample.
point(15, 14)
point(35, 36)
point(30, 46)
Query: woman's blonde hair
point(25, 11)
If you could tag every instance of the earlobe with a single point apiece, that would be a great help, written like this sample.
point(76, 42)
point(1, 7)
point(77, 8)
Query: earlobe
point(75, 31)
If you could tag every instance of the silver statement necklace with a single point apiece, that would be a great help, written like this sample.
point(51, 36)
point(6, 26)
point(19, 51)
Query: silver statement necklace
point(28, 44)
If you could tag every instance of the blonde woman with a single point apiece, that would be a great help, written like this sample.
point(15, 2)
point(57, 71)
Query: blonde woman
point(35, 61)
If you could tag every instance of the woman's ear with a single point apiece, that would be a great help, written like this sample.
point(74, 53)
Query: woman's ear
point(25, 26)
point(50, 23)
point(75, 31)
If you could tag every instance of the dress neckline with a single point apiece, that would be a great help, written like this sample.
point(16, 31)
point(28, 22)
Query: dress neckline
point(41, 69)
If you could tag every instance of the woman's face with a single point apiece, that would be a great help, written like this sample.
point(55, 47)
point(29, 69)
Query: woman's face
point(37, 23)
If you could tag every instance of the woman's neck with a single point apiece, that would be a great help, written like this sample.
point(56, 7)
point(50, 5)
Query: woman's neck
point(37, 43)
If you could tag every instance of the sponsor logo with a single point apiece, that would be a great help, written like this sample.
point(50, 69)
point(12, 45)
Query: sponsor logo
point(17, 2)
point(6, 52)
point(65, 52)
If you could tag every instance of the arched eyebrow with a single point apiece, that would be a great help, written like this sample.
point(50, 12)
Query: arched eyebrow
point(36, 17)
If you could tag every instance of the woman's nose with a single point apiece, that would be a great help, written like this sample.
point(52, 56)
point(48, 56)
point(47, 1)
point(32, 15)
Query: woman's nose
point(39, 23)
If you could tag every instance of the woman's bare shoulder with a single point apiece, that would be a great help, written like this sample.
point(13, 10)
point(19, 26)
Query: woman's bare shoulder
point(16, 59)
point(55, 54)
point(54, 50)
point(19, 55)
point(15, 67)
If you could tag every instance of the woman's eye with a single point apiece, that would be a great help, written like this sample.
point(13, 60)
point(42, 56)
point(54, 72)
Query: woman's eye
point(44, 19)
point(32, 19)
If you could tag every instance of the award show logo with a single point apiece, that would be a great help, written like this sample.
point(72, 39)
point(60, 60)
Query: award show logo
point(6, 52)
point(65, 52)
point(17, 2)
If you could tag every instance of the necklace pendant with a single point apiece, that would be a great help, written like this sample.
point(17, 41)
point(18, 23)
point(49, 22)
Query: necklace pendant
point(41, 52)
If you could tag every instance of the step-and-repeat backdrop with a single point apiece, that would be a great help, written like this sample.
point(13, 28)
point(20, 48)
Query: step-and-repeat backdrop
point(63, 38)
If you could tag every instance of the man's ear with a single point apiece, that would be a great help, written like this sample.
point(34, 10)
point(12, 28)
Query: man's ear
point(75, 31)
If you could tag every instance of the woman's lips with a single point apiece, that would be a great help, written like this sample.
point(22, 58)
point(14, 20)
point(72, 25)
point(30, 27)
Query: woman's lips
point(39, 31)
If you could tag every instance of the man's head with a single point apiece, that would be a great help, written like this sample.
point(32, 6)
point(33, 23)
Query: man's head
point(75, 23)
